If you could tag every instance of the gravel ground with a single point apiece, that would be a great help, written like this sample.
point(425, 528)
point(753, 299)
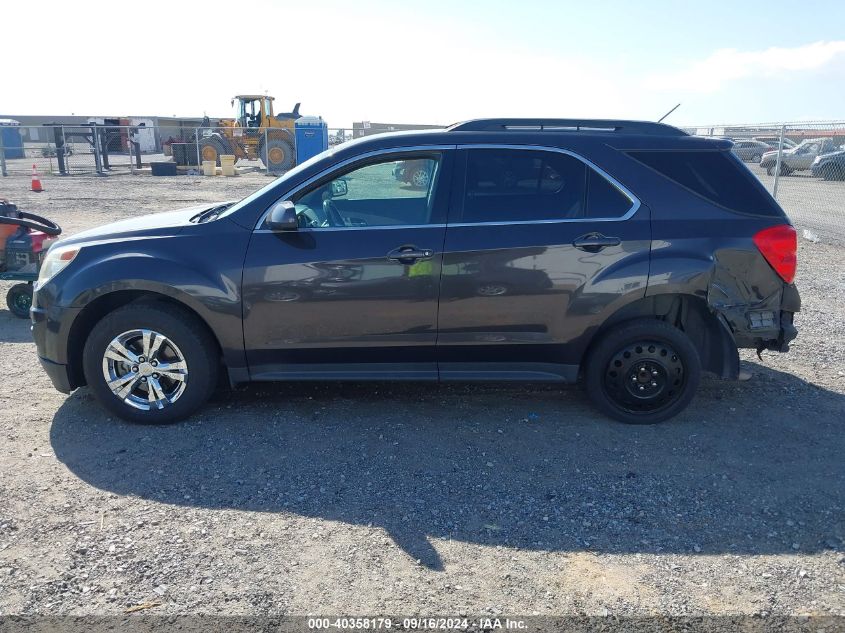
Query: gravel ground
point(373, 498)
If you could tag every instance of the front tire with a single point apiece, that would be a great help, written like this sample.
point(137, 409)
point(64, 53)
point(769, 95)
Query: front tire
point(151, 363)
point(642, 372)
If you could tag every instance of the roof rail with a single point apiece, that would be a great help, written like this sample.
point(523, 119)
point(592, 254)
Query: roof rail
point(567, 125)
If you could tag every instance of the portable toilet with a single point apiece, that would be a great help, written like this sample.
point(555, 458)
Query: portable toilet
point(312, 137)
point(11, 137)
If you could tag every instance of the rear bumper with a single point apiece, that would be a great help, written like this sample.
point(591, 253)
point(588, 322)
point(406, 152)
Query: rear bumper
point(767, 327)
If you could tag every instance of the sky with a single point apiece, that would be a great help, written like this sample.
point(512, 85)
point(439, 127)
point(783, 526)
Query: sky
point(435, 61)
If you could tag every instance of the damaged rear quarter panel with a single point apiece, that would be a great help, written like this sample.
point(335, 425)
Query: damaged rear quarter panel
point(721, 265)
point(748, 293)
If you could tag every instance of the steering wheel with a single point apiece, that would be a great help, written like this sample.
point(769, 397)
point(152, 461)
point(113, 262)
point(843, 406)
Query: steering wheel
point(32, 221)
point(332, 213)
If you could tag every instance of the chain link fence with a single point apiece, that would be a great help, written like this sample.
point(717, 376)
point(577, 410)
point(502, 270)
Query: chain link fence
point(801, 164)
point(95, 149)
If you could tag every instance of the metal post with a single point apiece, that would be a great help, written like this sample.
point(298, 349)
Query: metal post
point(129, 148)
point(135, 147)
point(199, 156)
point(63, 167)
point(104, 147)
point(59, 140)
point(2, 157)
point(777, 163)
point(266, 153)
point(95, 139)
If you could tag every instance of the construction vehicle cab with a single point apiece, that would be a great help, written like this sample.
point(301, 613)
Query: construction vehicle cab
point(255, 133)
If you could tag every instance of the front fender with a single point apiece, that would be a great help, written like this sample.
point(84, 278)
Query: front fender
point(201, 270)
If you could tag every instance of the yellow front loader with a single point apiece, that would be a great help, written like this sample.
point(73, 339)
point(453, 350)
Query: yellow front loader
point(257, 132)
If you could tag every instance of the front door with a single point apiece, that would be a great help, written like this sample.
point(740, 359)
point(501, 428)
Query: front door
point(540, 247)
point(353, 292)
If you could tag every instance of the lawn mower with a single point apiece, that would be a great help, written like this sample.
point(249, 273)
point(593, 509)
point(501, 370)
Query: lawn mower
point(24, 240)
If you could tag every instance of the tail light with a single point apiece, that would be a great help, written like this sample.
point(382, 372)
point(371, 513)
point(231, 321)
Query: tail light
point(779, 245)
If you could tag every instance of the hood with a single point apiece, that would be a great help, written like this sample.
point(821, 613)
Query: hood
point(143, 226)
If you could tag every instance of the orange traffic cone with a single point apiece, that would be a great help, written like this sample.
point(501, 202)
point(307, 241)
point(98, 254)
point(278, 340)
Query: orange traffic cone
point(36, 181)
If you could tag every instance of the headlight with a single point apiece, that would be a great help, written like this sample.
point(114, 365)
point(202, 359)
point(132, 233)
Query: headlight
point(55, 261)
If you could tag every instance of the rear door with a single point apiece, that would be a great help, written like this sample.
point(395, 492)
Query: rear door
point(539, 247)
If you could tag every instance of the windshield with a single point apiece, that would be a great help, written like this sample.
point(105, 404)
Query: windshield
point(279, 182)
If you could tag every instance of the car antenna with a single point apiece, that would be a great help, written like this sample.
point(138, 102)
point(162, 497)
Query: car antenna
point(660, 120)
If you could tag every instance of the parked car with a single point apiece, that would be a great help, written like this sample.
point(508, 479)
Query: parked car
point(830, 166)
point(799, 158)
point(750, 151)
point(774, 141)
point(414, 172)
point(625, 255)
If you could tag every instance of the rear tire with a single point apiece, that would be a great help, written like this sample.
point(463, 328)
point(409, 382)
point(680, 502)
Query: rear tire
point(642, 372)
point(176, 378)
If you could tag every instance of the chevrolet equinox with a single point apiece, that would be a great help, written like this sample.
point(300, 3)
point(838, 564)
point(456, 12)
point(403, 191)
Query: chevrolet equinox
point(626, 255)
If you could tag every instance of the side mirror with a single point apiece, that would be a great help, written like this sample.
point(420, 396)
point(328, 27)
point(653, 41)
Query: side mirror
point(339, 188)
point(283, 217)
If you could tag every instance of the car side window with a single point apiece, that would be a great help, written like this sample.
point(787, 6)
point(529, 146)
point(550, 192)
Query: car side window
point(516, 185)
point(387, 192)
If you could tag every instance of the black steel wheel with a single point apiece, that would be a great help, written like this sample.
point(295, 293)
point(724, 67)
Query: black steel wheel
point(19, 300)
point(643, 372)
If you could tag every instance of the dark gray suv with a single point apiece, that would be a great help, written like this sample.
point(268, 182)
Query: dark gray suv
point(627, 255)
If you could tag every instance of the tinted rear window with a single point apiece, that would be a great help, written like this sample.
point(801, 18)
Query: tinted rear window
point(524, 185)
point(715, 176)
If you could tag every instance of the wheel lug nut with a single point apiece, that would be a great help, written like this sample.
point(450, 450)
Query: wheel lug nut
point(141, 359)
point(653, 384)
point(154, 363)
point(642, 387)
point(654, 372)
point(135, 368)
point(155, 375)
point(143, 379)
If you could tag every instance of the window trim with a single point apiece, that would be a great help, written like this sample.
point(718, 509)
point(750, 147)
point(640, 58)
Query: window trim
point(341, 165)
point(635, 202)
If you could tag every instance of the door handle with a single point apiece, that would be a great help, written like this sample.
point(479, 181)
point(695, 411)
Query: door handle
point(409, 254)
point(594, 242)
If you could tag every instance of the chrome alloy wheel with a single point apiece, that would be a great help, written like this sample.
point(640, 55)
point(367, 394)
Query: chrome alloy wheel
point(145, 369)
point(420, 178)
